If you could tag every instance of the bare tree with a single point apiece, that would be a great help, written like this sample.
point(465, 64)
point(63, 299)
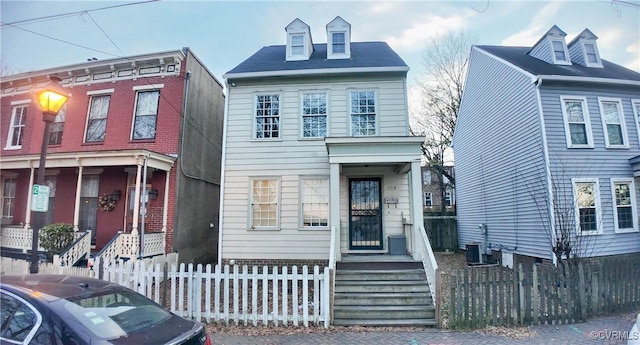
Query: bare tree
point(445, 66)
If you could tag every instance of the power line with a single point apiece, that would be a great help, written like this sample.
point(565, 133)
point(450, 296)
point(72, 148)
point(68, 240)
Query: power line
point(70, 14)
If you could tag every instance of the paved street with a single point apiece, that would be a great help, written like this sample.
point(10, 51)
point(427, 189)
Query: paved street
point(609, 331)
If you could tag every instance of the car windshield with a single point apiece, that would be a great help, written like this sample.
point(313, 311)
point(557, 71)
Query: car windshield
point(116, 314)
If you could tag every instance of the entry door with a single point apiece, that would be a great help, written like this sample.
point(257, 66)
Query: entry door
point(365, 218)
point(89, 205)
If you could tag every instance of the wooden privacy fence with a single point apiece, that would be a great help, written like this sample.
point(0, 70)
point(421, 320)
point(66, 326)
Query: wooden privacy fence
point(242, 295)
point(481, 296)
point(442, 232)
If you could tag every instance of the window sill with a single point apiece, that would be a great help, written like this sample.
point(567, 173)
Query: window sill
point(626, 231)
point(93, 143)
point(617, 147)
point(12, 148)
point(54, 145)
point(263, 229)
point(320, 228)
point(580, 147)
point(142, 141)
point(590, 233)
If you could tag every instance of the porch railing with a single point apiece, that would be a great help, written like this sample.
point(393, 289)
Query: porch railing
point(79, 249)
point(428, 259)
point(128, 246)
point(18, 237)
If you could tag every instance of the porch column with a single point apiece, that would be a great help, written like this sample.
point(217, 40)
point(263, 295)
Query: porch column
point(136, 201)
point(76, 209)
point(416, 207)
point(334, 205)
point(27, 220)
point(165, 212)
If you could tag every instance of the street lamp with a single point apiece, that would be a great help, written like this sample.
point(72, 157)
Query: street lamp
point(50, 99)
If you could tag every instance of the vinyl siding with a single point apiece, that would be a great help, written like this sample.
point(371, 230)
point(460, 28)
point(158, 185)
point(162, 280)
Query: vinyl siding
point(291, 157)
point(576, 54)
point(542, 51)
point(598, 162)
point(500, 176)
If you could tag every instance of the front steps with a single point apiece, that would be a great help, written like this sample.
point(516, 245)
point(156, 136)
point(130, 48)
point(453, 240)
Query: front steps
point(381, 294)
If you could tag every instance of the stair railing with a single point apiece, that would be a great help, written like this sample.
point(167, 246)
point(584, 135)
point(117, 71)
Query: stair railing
point(77, 250)
point(109, 253)
point(428, 259)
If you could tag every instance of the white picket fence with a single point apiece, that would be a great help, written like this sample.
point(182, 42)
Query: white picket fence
point(254, 296)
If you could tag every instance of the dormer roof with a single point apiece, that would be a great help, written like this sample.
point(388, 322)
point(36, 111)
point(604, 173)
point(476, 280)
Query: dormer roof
point(552, 48)
point(299, 42)
point(338, 39)
point(584, 50)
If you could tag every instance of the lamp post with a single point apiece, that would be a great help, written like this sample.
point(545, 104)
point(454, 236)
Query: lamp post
point(50, 99)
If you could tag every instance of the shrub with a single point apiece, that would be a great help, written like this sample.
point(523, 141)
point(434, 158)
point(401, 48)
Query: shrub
point(54, 238)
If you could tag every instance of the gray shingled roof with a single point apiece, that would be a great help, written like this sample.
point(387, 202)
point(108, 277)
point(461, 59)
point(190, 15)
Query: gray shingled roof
point(518, 56)
point(363, 55)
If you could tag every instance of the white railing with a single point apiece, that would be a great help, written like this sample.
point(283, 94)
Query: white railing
point(428, 259)
point(80, 248)
point(154, 243)
point(240, 295)
point(10, 266)
point(17, 237)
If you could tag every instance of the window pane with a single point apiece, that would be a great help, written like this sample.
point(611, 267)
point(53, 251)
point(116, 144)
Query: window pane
point(586, 203)
point(314, 115)
point(264, 203)
point(338, 42)
point(315, 202)
point(363, 113)
point(97, 124)
point(578, 134)
point(558, 51)
point(267, 116)
point(592, 56)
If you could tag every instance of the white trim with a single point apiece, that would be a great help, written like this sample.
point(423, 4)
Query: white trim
point(86, 123)
point(223, 166)
point(635, 107)
point(99, 92)
point(634, 205)
point(587, 121)
point(598, 206)
point(134, 115)
point(567, 60)
point(252, 179)
point(12, 128)
point(583, 47)
point(20, 102)
point(589, 79)
point(148, 87)
point(315, 71)
point(623, 127)
point(327, 117)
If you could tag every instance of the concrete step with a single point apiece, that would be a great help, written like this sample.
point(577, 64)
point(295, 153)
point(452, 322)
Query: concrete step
point(381, 286)
point(386, 322)
point(411, 274)
point(384, 312)
point(398, 298)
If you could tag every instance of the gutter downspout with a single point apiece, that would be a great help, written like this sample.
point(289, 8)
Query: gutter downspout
point(545, 150)
point(222, 169)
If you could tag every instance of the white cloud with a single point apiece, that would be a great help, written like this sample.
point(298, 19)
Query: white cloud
point(429, 26)
point(634, 50)
point(537, 26)
point(383, 7)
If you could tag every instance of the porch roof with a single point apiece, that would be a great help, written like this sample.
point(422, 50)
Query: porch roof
point(374, 149)
point(635, 165)
point(90, 159)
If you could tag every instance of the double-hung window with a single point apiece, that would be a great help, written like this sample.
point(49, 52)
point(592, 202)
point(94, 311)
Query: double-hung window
point(592, 58)
point(315, 203)
point(625, 209)
point(16, 128)
point(338, 43)
point(297, 44)
point(560, 53)
point(635, 104)
point(615, 133)
point(449, 198)
point(363, 113)
point(588, 213)
point(57, 127)
point(97, 121)
point(267, 116)
point(8, 197)
point(428, 199)
point(577, 126)
point(264, 206)
point(314, 115)
point(146, 115)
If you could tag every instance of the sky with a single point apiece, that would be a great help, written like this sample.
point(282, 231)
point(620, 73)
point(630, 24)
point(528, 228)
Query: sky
point(222, 34)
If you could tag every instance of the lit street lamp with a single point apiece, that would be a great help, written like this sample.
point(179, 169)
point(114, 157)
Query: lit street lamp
point(50, 99)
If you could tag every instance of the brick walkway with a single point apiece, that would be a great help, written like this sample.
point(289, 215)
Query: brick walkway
point(607, 331)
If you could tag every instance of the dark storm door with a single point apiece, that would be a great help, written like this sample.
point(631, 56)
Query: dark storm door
point(89, 205)
point(365, 218)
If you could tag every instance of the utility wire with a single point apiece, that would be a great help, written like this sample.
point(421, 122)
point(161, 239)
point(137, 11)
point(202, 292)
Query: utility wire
point(70, 14)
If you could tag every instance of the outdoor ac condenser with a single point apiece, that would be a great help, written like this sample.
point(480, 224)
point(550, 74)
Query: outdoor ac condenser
point(475, 253)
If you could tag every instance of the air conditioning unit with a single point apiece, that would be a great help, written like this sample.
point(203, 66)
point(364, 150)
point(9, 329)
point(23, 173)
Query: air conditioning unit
point(475, 253)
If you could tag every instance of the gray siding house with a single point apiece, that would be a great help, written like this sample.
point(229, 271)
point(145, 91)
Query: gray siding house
point(547, 151)
point(316, 143)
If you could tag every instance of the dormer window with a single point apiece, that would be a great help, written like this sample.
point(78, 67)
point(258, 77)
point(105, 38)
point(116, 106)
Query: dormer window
point(592, 58)
point(299, 43)
point(337, 43)
point(583, 50)
point(560, 52)
point(338, 39)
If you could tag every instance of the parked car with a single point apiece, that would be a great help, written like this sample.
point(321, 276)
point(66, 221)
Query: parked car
point(60, 310)
point(634, 333)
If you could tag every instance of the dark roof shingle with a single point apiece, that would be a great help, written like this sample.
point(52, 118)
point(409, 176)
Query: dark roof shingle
point(518, 57)
point(363, 55)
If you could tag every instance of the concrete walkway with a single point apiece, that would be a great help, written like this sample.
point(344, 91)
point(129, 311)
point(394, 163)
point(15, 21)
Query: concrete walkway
point(608, 330)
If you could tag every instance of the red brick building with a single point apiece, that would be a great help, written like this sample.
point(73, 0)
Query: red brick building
point(161, 113)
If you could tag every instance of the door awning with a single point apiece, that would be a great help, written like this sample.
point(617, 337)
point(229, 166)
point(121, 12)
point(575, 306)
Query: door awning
point(401, 149)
